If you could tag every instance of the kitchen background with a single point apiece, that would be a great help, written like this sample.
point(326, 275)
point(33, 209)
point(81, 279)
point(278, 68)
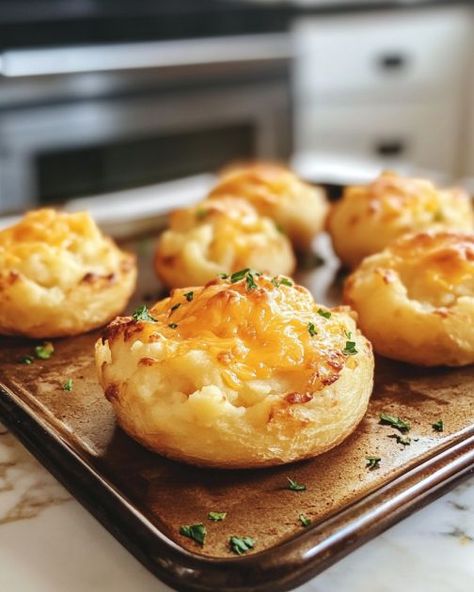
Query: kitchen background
point(102, 96)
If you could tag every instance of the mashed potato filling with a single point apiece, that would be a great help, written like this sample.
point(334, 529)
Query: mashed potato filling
point(274, 191)
point(51, 250)
point(60, 276)
point(368, 218)
point(220, 236)
point(251, 364)
point(415, 299)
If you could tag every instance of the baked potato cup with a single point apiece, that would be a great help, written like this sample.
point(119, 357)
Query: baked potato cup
point(368, 218)
point(244, 372)
point(298, 208)
point(60, 276)
point(219, 237)
point(415, 299)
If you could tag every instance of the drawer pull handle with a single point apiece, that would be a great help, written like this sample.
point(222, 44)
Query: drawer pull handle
point(390, 148)
point(392, 62)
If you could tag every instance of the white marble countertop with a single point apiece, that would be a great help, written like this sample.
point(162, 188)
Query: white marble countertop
point(49, 543)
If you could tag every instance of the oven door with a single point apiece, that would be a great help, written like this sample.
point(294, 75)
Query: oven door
point(140, 116)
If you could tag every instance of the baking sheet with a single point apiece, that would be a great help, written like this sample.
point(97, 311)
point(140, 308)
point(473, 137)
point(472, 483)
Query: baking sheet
point(144, 499)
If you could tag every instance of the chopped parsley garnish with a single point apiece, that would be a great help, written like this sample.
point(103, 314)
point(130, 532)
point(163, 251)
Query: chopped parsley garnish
point(348, 334)
point(239, 275)
point(67, 386)
point(44, 351)
point(396, 422)
point(201, 213)
point(223, 276)
point(249, 276)
point(350, 348)
point(305, 521)
point(373, 462)
point(26, 360)
point(251, 285)
point(197, 532)
point(312, 329)
point(277, 282)
point(295, 486)
point(173, 326)
point(217, 516)
point(280, 228)
point(324, 313)
point(175, 306)
point(142, 314)
point(438, 426)
point(240, 545)
point(189, 296)
point(403, 440)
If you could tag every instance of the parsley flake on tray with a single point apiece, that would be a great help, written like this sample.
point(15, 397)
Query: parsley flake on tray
point(305, 521)
point(44, 351)
point(438, 426)
point(67, 386)
point(196, 532)
point(403, 440)
point(396, 422)
point(217, 516)
point(26, 360)
point(373, 462)
point(295, 486)
point(240, 545)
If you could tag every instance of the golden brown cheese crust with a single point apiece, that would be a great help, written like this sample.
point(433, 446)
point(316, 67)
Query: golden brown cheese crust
point(219, 237)
point(60, 276)
point(368, 218)
point(415, 299)
point(239, 365)
point(297, 207)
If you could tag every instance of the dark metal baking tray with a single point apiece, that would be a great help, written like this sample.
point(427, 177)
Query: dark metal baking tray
point(143, 499)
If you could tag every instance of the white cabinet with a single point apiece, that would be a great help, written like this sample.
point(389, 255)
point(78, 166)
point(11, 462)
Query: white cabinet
point(387, 84)
point(425, 134)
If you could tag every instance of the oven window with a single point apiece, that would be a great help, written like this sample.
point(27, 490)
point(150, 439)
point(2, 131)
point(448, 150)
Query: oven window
point(90, 170)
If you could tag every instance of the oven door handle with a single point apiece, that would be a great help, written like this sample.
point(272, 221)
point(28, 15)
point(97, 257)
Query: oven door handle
point(133, 56)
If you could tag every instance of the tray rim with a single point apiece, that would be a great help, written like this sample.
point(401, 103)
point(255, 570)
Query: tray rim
point(277, 569)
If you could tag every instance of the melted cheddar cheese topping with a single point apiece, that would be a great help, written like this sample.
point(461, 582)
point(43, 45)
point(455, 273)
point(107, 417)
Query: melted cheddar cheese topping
point(298, 209)
point(54, 249)
point(390, 196)
point(261, 184)
point(232, 221)
point(218, 236)
point(254, 330)
point(436, 267)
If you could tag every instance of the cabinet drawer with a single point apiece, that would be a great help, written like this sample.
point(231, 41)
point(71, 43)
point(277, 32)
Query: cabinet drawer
point(396, 53)
point(421, 134)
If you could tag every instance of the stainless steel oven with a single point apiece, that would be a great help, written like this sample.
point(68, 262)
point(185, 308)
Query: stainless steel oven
point(89, 120)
